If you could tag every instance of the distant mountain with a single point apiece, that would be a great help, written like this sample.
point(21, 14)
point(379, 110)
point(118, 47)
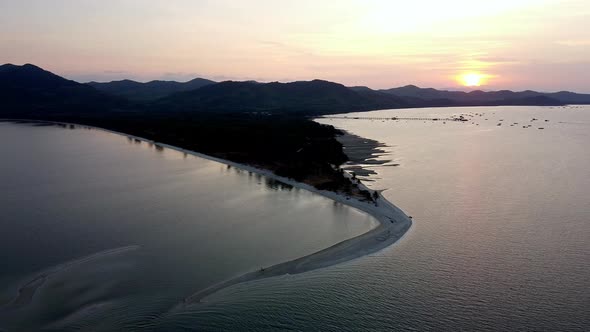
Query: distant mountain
point(570, 97)
point(148, 91)
point(478, 97)
point(29, 76)
point(30, 89)
point(303, 97)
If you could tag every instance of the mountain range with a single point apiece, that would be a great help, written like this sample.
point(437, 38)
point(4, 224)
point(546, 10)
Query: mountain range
point(478, 96)
point(31, 89)
point(148, 91)
point(304, 97)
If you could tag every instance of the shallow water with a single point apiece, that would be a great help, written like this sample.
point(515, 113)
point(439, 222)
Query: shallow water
point(499, 241)
point(69, 196)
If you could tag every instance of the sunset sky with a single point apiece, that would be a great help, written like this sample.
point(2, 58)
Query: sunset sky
point(505, 44)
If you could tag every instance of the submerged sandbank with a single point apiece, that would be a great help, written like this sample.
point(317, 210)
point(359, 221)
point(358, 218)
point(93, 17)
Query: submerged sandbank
point(26, 292)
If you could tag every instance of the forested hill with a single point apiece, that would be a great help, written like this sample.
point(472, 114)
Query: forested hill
point(304, 97)
point(478, 97)
point(148, 91)
point(28, 90)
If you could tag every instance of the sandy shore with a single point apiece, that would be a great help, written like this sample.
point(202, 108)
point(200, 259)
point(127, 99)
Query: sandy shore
point(393, 224)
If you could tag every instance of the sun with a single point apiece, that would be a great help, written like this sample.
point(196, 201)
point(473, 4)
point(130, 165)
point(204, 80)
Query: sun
point(472, 79)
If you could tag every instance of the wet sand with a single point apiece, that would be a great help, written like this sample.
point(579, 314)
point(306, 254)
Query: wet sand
point(363, 153)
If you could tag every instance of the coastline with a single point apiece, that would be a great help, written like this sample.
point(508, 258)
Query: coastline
point(363, 154)
point(393, 224)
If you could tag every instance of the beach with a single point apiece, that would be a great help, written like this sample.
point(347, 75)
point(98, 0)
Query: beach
point(393, 225)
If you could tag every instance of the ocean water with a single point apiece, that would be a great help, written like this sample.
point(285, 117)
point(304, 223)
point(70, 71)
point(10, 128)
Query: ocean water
point(500, 238)
point(104, 232)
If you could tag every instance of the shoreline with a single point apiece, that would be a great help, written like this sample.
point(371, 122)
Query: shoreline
point(393, 224)
point(363, 154)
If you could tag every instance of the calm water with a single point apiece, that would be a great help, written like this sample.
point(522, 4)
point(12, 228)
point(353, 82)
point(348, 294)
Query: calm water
point(500, 237)
point(71, 193)
point(499, 242)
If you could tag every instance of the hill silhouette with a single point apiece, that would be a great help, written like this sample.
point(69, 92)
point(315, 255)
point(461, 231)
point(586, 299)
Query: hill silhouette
point(29, 76)
point(29, 89)
point(484, 98)
point(303, 97)
point(148, 91)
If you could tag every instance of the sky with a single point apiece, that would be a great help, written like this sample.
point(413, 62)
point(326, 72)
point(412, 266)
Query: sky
point(502, 44)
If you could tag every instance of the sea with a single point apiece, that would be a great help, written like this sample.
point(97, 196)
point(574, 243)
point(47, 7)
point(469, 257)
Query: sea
point(101, 231)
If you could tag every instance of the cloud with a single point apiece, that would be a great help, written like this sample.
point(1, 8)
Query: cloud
point(498, 60)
